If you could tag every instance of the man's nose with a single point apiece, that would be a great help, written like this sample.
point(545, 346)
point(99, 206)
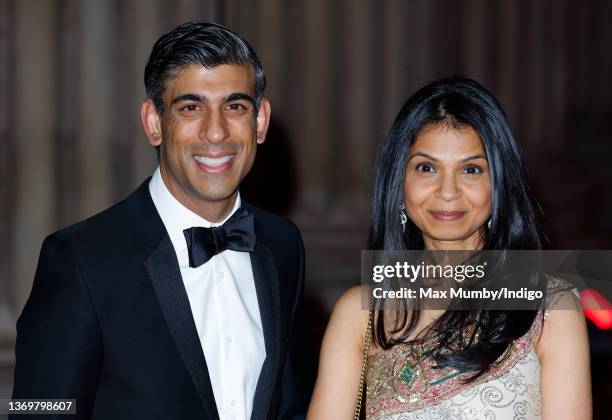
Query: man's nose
point(214, 129)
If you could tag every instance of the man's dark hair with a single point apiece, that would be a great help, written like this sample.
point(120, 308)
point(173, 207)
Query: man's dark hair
point(201, 43)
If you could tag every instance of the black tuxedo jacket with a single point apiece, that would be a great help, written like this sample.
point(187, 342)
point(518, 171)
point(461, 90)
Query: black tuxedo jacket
point(108, 321)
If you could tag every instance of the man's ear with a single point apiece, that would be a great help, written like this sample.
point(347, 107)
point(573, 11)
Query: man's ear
point(151, 122)
point(263, 120)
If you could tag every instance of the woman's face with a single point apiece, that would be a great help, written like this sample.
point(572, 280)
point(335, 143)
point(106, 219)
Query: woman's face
point(447, 187)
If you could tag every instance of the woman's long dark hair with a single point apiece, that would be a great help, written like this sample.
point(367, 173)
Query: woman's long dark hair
point(514, 222)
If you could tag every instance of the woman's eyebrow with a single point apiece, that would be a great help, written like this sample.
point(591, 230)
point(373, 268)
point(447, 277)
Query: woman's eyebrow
point(428, 156)
point(422, 154)
point(478, 156)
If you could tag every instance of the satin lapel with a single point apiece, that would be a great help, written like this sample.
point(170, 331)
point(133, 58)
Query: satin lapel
point(165, 275)
point(268, 298)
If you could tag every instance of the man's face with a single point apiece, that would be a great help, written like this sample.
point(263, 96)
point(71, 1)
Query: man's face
point(209, 132)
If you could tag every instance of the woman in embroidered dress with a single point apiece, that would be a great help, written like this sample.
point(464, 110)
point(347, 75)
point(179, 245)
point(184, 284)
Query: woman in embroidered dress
point(451, 164)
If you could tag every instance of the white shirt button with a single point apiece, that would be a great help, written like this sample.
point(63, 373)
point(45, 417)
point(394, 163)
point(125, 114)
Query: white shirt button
point(228, 338)
point(221, 274)
point(233, 403)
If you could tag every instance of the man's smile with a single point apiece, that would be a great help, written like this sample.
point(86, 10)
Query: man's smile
point(214, 164)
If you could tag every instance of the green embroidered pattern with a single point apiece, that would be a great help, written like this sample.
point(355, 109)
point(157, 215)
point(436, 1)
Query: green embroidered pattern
point(407, 375)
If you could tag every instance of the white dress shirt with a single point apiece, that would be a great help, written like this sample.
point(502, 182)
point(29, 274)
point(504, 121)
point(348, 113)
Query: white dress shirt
point(224, 306)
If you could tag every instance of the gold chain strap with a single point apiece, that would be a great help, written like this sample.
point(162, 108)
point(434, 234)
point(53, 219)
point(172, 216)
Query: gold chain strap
point(364, 364)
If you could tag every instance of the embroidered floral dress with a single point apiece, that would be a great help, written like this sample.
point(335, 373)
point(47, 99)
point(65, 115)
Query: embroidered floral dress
point(402, 385)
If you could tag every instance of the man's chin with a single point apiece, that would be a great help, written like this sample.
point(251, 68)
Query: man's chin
point(217, 196)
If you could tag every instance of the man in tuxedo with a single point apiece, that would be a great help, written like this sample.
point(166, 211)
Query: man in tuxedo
point(181, 301)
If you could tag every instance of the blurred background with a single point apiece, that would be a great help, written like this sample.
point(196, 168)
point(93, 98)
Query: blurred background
point(71, 143)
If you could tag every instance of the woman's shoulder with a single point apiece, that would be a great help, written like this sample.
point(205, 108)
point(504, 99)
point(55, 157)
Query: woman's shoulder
point(562, 319)
point(351, 298)
point(352, 310)
point(560, 294)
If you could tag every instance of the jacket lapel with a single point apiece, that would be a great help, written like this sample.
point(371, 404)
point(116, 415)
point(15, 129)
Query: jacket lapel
point(165, 275)
point(268, 298)
point(166, 279)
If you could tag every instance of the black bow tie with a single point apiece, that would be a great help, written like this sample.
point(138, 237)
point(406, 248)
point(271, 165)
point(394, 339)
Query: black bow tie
point(237, 234)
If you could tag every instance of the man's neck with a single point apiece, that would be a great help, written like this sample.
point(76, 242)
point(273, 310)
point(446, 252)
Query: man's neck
point(214, 212)
point(211, 211)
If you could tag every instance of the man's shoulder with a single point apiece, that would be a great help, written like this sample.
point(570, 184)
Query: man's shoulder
point(110, 220)
point(267, 218)
point(112, 223)
point(274, 228)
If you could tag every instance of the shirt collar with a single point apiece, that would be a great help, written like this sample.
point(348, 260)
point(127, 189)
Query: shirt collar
point(175, 216)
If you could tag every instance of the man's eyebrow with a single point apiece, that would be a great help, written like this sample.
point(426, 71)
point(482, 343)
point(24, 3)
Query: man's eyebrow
point(188, 97)
point(237, 96)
